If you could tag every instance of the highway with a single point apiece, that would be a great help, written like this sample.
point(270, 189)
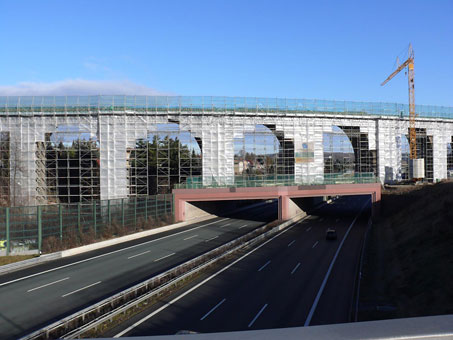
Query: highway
point(275, 285)
point(35, 297)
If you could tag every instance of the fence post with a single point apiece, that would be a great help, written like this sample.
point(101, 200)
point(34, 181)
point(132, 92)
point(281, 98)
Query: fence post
point(79, 224)
point(122, 212)
point(39, 228)
point(109, 214)
point(8, 238)
point(172, 205)
point(156, 199)
point(146, 209)
point(60, 218)
point(94, 218)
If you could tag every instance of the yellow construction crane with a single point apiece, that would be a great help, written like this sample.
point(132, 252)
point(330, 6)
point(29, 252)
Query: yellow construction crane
point(417, 166)
point(410, 75)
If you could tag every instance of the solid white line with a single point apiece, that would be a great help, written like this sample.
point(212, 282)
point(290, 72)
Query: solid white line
point(308, 229)
point(295, 268)
point(245, 225)
point(112, 252)
point(213, 309)
point(429, 336)
point(321, 289)
point(291, 243)
point(257, 315)
point(145, 252)
point(316, 243)
point(188, 238)
point(164, 257)
point(149, 316)
point(225, 225)
point(213, 238)
point(264, 265)
point(78, 290)
point(48, 284)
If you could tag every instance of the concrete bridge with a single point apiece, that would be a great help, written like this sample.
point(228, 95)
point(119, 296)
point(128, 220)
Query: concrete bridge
point(113, 126)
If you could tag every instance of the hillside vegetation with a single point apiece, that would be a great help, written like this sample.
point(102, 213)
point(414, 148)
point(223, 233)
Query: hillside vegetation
point(408, 267)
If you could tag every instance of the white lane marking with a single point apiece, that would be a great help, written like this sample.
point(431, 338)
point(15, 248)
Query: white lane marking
point(212, 238)
point(429, 336)
point(145, 252)
point(243, 226)
point(112, 252)
point(264, 265)
point(188, 238)
point(321, 289)
point(225, 225)
point(316, 243)
point(212, 309)
point(168, 304)
point(291, 243)
point(78, 290)
point(47, 284)
point(164, 257)
point(295, 268)
point(308, 229)
point(257, 315)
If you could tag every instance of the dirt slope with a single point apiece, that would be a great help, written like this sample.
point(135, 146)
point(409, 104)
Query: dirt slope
point(408, 267)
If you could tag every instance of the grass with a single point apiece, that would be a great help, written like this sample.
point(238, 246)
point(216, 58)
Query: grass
point(15, 258)
point(408, 266)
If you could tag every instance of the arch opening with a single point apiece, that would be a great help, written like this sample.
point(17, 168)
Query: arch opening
point(168, 156)
point(68, 166)
point(263, 152)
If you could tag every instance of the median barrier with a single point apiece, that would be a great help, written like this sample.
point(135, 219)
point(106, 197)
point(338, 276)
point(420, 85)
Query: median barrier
point(80, 322)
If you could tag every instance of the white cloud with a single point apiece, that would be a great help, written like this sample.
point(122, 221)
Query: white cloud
point(74, 87)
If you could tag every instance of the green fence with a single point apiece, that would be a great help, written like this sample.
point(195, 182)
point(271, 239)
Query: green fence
point(275, 180)
point(60, 226)
point(28, 105)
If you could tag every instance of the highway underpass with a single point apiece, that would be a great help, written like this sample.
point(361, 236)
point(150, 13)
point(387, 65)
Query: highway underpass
point(34, 297)
point(296, 278)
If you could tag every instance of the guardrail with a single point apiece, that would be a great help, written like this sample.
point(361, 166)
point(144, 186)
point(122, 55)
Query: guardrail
point(78, 323)
point(358, 279)
point(199, 182)
point(29, 105)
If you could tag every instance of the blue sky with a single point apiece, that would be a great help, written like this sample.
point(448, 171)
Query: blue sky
point(319, 49)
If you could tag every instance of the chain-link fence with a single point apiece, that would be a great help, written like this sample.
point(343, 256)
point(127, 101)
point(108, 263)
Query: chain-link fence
point(54, 227)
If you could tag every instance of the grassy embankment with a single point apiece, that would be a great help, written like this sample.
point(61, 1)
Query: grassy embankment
point(408, 267)
point(16, 258)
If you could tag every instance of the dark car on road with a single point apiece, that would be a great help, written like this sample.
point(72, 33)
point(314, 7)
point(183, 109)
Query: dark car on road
point(331, 234)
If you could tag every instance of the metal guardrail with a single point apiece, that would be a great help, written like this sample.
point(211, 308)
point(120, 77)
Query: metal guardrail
point(358, 279)
point(29, 105)
point(130, 297)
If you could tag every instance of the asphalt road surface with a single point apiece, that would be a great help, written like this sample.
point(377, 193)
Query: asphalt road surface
point(282, 283)
point(35, 297)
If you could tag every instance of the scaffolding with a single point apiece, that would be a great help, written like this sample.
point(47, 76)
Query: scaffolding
point(61, 150)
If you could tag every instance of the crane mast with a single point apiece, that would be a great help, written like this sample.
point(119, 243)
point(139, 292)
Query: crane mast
point(410, 75)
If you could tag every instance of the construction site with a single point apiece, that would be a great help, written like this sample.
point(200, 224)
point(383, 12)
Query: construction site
point(79, 149)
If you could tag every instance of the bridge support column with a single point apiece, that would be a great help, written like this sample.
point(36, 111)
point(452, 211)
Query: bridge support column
point(375, 203)
point(287, 208)
point(180, 214)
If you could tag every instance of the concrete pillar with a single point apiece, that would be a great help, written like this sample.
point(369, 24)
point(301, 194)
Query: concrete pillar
point(180, 214)
point(217, 150)
point(113, 170)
